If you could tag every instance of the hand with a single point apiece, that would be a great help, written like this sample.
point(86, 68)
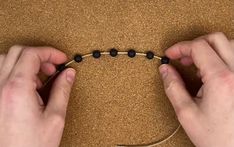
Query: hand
point(208, 118)
point(24, 120)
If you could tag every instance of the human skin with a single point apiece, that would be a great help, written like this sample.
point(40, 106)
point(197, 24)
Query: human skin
point(207, 118)
point(24, 120)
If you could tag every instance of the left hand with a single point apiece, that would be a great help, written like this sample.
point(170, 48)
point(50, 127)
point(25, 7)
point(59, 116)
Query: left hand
point(24, 119)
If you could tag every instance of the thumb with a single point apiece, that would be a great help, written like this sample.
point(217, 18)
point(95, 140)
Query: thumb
point(60, 93)
point(179, 97)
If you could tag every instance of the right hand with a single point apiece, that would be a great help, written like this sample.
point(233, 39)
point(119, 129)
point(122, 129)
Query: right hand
point(208, 118)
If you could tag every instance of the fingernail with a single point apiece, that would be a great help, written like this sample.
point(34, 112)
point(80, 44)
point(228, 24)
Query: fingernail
point(70, 75)
point(163, 71)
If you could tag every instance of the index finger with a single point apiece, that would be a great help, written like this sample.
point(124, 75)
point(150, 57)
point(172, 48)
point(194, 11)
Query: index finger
point(31, 59)
point(202, 54)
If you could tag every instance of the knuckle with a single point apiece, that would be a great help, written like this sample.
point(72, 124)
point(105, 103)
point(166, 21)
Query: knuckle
point(30, 52)
point(171, 86)
point(27, 51)
point(64, 90)
point(9, 89)
point(198, 43)
point(15, 47)
point(226, 77)
point(16, 82)
point(217, 35)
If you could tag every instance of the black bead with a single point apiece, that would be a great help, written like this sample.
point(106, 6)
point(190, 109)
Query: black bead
point(131, 53)
point(165, 60)
point(96, 54)
point(61, 67)
point(113, 52)
point(78, 58)
point(150, 55)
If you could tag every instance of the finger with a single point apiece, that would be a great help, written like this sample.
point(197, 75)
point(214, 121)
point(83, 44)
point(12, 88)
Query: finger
point(10, 60)
point(31, 59)
point(220, 43)
point(60, 93)
point(2, 58)
point(203, 56)
point(176, 92)
point(48, 68)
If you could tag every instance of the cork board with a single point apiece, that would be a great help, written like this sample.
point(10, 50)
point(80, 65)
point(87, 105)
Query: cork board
point(116, 100)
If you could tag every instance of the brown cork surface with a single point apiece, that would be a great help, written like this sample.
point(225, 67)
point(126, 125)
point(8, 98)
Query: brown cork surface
point(116, 100)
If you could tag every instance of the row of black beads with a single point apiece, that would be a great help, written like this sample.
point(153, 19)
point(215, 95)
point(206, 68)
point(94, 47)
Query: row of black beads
point(114, 53)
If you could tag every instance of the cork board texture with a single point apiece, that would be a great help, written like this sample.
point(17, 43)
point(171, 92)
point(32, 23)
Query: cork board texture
point(116, 100)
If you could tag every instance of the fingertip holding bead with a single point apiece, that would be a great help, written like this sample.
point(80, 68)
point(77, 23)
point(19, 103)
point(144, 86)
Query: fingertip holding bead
point(113, 52)
point(149, 55)
point(165, 60)
point(96, 54)
point(131, 53)
point(78, 58)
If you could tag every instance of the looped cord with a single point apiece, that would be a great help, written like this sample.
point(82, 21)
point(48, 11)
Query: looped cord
point(123, 53)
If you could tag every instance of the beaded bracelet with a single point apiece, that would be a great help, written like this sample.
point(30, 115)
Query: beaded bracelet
point(113, 53)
